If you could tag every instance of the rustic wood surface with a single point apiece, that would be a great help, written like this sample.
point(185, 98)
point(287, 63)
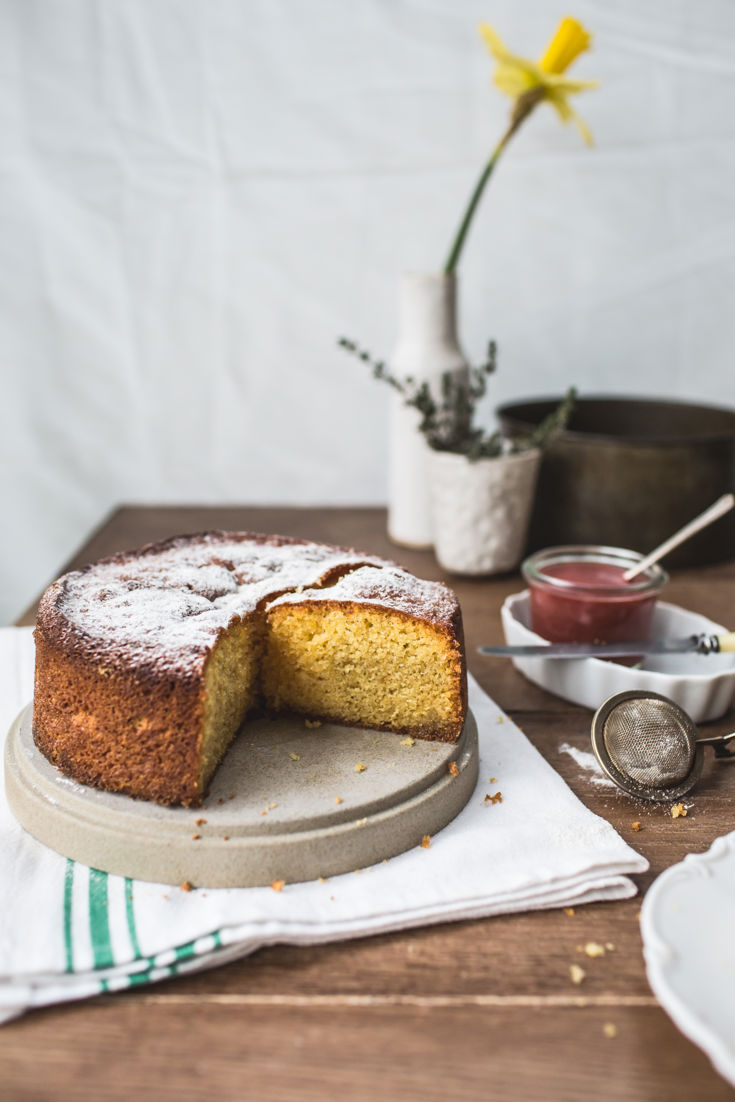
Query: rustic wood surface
point(471, 1010)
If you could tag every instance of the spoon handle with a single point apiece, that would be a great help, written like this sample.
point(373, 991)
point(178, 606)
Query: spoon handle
point(720, 507)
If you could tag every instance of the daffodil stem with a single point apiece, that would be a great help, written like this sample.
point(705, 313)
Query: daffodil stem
point(469, 214)
point(523, 108)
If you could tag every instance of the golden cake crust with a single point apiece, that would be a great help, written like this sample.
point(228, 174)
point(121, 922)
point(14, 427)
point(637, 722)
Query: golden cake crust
point(123, 646)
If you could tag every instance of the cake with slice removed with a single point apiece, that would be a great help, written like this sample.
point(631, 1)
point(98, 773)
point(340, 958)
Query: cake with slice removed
point(148, 662)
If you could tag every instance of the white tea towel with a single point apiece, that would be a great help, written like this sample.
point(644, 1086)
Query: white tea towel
point(67, 932)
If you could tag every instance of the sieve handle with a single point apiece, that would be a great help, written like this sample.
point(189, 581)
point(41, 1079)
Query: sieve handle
point(718, 744)
point(727, 642)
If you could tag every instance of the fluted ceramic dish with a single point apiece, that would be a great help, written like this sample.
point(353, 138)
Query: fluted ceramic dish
point(687, 922)
point(703, 685)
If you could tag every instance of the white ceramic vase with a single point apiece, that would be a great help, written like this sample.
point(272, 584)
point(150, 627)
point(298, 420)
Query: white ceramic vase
point(481, 510)
point(427, 347)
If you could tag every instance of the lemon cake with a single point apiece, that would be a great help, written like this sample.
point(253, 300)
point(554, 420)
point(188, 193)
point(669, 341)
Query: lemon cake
point(148, 662)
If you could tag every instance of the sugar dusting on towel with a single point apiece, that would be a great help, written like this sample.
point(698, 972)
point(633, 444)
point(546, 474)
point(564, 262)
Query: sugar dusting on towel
point(589, 763)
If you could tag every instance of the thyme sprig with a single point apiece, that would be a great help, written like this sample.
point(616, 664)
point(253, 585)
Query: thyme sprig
point(447, 420)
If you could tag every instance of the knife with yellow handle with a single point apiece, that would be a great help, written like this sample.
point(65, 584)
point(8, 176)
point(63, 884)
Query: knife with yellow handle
point(689, 644)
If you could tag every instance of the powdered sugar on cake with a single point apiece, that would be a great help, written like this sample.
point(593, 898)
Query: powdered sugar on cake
point(165, 606)
point(388, 587)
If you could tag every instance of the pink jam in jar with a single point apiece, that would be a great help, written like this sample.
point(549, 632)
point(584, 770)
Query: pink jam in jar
point(579, 595)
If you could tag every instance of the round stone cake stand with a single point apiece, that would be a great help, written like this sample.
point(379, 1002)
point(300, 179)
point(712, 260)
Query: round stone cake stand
point(288, 803)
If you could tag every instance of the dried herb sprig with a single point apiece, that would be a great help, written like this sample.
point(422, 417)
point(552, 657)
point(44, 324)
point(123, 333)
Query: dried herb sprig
point(447, 421)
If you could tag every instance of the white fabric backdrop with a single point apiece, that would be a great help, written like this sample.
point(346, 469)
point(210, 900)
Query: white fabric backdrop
point(197, 198)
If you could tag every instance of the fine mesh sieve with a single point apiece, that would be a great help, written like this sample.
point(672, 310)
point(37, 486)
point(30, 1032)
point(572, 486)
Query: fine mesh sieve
point(648, 745)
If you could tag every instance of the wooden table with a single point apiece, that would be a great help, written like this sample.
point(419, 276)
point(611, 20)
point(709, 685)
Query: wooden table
point(472, 1010)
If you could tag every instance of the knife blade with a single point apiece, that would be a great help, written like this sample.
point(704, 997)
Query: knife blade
point(689, 644)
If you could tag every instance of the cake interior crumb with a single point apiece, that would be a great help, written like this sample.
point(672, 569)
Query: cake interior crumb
point(368, 666)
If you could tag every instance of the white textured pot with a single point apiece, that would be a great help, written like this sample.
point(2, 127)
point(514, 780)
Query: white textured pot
point(481, 510)
point(427, 346)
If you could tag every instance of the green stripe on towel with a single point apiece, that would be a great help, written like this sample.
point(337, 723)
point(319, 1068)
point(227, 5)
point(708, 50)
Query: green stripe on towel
point(182, 953)
point(68, 890)
point(136, 978)
point(99, 923)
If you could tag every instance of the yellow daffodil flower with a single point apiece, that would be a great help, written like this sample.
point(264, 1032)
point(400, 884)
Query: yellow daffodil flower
point(529, 83)
point(544, 79)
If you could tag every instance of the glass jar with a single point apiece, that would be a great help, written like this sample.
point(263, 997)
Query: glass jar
point(578, 594)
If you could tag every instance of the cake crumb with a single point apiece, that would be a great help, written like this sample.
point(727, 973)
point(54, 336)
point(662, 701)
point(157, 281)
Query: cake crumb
point(230, 795)
point(678, 811)
point(496, 799)
point(610, 1029)
point(569, 911)
point(220, 800)
point(500, 719)
point(187, 886)
point(265, 812)
point(312, 723)
point(322, 879)
point(576, 973)
point(408, 741)
point(360, 767)
point(453, 768)
point(338, 800)
point(294, 757)
point(594, 949)
point(225, 837)
point(609, 946)
point(199, 822)
point(277, 885)
point(636, 826)
point(493, 780)
point(272, 804)
point(426, 841)
point(195, 837)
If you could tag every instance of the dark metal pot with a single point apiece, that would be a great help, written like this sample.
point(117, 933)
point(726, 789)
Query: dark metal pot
point(628, 472)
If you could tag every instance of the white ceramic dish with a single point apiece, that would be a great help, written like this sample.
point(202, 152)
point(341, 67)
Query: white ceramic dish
point(687, 922)
point(703, 685)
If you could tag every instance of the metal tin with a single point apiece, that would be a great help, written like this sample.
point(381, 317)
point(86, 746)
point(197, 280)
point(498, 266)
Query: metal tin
point(629, 472)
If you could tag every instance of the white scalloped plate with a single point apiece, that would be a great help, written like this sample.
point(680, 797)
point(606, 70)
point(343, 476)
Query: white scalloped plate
point(688, 928)
point(703, 685)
